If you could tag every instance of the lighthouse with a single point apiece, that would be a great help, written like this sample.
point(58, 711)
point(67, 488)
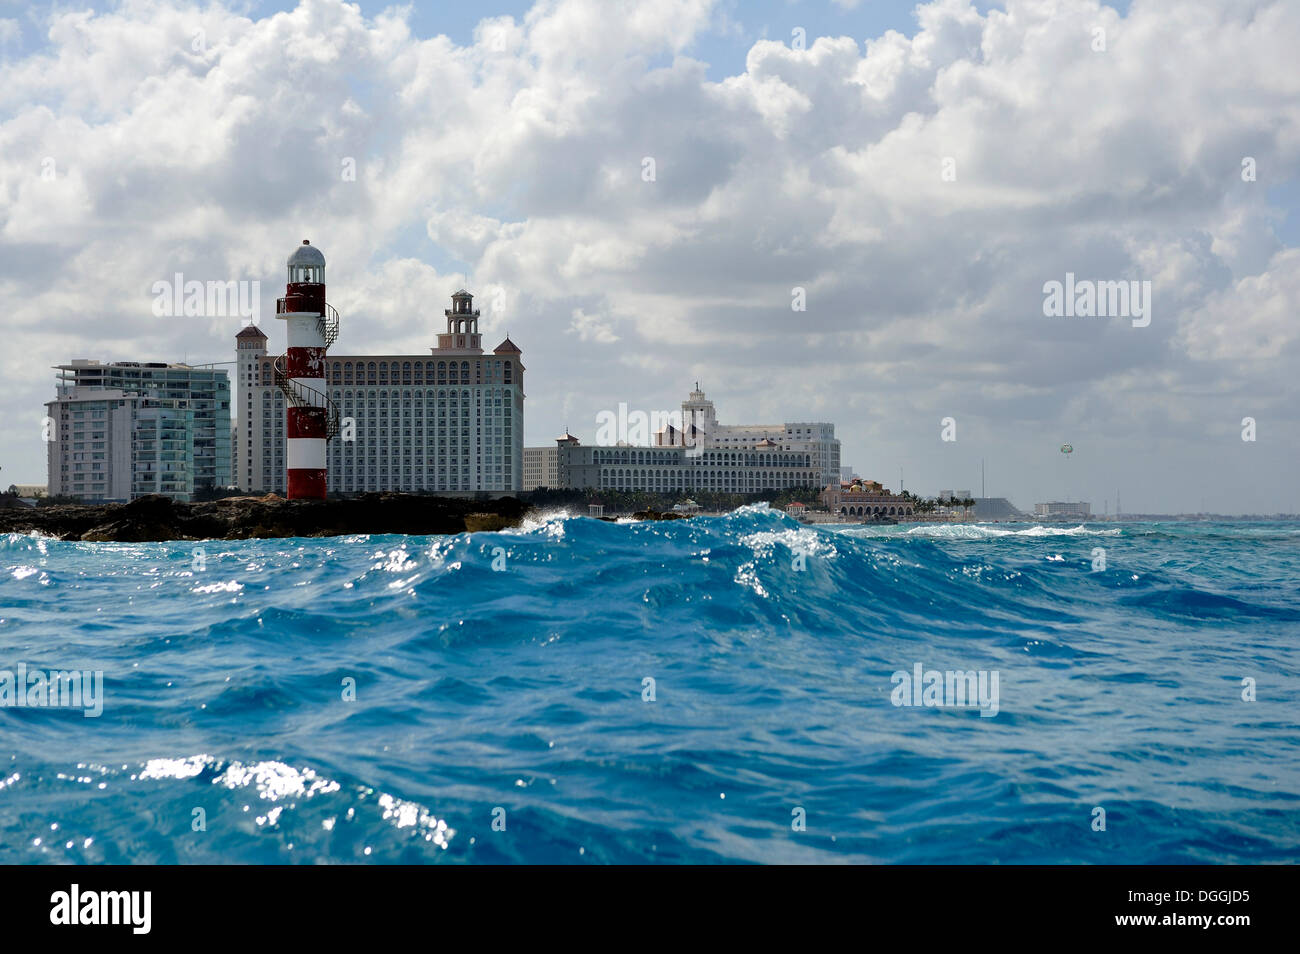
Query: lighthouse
point(311, 326)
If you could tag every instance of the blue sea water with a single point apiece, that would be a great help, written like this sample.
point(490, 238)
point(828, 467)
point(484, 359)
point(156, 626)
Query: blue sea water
point(518, 695)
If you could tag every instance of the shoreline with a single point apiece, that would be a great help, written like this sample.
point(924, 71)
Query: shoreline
point(159, 519)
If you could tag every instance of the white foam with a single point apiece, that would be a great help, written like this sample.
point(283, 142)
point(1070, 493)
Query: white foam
point(975, 531)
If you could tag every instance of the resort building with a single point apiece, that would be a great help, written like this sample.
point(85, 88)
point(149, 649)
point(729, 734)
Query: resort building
point(670, 470)
point(996, 508)
point(1060, 510)
point(124, 429)
point(541, 467)
point(451, 419)
point(700, 430)
point(865, 498)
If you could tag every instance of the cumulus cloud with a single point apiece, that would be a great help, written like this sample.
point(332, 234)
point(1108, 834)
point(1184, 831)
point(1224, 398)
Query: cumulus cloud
point(921, 188)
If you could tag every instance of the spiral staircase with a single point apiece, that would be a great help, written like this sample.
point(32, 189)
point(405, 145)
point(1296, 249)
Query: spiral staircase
point(299, 395)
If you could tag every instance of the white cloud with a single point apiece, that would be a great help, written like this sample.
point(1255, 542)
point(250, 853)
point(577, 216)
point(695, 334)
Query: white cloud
point(1251, 319)
point(591, 328)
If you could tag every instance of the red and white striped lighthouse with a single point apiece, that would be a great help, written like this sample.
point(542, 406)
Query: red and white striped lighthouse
point(311, 326)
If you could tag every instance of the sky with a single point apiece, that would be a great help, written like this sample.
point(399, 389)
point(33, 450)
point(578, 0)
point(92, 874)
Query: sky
point(916, 174)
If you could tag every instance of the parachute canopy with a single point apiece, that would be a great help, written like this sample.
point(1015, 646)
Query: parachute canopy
point(1067, 448)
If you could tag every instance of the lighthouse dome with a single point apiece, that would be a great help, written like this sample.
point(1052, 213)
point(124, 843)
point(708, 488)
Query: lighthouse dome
point(306, 264)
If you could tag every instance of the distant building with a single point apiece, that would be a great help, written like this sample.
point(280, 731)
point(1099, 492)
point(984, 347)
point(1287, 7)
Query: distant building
point(700, 430)
point(996, 508)
point(846, 474)
point(541, 467)
point(29, 491)
point(124, 429)
point(1063, 511)
point(673, 470)
point(865, 498)
point(451, 419)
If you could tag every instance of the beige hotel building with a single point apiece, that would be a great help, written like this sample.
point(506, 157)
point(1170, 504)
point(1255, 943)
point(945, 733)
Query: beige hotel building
point(451, 419)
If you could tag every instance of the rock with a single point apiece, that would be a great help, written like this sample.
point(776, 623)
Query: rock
point(658, 515)
point(236, 518)
point(480, 522)
point(271, 516)
point(130, 531)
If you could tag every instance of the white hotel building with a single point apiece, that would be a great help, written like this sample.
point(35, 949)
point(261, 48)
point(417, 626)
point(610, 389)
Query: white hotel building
point(700, 428)
point(448, 420)
point(673, 470)
point(703, 455)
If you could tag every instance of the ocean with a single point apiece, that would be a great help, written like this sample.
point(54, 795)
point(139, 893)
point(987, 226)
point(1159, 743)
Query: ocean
point(739, 688)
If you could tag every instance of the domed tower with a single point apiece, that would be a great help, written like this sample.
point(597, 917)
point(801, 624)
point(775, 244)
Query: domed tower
point(462, 332)
point(311, 326)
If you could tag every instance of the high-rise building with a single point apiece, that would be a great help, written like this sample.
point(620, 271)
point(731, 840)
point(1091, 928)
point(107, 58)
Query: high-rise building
point(451, 419)
point(124, 429)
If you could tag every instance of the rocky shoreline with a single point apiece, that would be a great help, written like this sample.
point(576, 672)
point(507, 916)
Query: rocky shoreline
point(158, 518)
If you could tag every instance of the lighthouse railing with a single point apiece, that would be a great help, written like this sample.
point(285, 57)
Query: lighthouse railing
point(328, 325)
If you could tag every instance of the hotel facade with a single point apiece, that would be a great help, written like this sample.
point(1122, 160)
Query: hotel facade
point(698, 455)
point(451, 419)
point(1064, 510)
point(672, 470)
point(865, 498)
point(541, 467)
point(700, 429)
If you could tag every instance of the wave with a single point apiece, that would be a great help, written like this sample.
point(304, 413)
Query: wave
point(659, 691)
